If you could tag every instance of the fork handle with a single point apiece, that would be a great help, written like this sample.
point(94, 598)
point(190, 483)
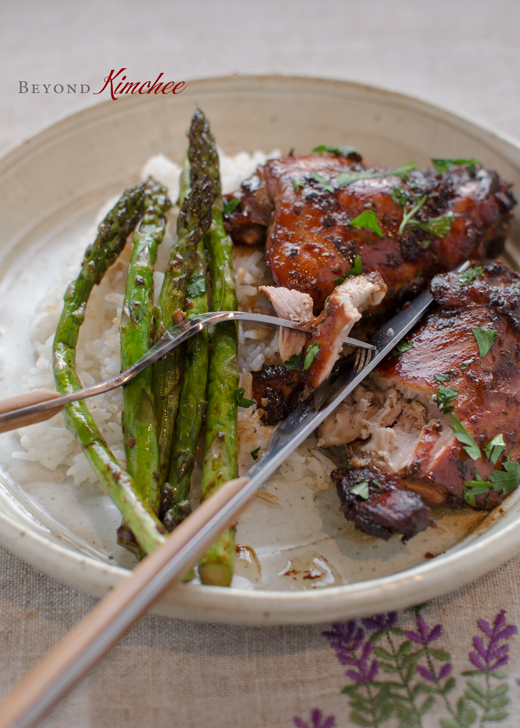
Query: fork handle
point(25, 400)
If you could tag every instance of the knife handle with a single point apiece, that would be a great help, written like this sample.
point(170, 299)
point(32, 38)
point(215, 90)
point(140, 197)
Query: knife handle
point(25, 400)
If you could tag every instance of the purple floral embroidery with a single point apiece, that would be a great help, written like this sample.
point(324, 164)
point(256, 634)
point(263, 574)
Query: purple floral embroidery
point(316, 720)
point(422, 637)
point(419, 672)
point(495, 655)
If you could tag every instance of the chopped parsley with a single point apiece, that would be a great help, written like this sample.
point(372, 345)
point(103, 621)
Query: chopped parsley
point(254, 453)
point(368, 220)
point(485, 339)
point(438, 226)
point(356, 270)
point(502, 481)
point(463, 436)
point(444, 397)
point(495, 448)
point(231, 206)
point(197, 286)
point(311, 354)
point(241, 400)
point(401, 347)
point(400, 196)
point(360, 489)
point(378, 483)
point(439, 378)
point(297, 182)
point(469, 275)
point(408, 216)
point(338, 151)
point(441, 165)
point(294, 362)
point(346, 178)
point(323, 181)
point(464, 365)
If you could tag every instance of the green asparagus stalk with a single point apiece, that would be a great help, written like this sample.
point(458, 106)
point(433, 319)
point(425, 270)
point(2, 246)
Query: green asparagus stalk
point(193, 221)
point(139, 424)
point(174, 497)
point(110, 240)
point(220, 455)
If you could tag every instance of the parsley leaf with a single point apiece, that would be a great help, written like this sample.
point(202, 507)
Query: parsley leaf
point(441, 165)
point(323, 181)
point(463, 436)
point(297, 182)
point(346, 178)
point(475, 487)
point(378, 483)
point(402, 172)
point(197, 286)
point(231, 206)
point(400, 196)
point(506, 480)
point(485, 339)
point(311, 354)
point(294, 362)
point(495, 448)
point(408, 216)
point(469, 275)
point(444, 396)
point(356, 270)
point(368, 220)
point(438, 226)
point(338, 151)
point(254, 453)
point(464, 365)
point(241, 401)
point(439, 378)
point(360, 489)
point(401, 347)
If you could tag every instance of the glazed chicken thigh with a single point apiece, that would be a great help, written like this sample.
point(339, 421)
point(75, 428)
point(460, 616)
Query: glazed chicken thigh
point(305, 209)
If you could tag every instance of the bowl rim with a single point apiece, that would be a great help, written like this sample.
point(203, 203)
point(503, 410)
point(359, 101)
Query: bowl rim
point(219, 604)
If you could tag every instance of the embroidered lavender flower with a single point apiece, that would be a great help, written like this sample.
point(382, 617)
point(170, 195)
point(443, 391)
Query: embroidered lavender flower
point(422, 637)
point(346, 641)
point(316, 720)
point(380, 621)
point(496, 654)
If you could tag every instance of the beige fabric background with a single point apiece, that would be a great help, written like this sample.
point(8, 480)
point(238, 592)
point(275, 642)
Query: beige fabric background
point(461, 54)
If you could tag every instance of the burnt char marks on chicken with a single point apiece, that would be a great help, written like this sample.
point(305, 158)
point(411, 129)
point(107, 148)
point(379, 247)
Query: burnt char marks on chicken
point(276, 391)
point(386, 509)
point(310, 244)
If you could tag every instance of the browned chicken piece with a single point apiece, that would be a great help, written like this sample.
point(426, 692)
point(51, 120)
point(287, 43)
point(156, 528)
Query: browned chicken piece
point(302, 208)
point(276, 391)
point(296, 307)
point(342, 311)
point(383, 508)
point(464, 355)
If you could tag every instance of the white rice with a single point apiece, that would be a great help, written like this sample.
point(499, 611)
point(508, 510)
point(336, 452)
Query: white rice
point(52, 445)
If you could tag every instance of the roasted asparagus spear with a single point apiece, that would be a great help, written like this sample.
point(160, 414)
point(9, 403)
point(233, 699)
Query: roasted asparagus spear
point(220, 456)
point(174, 497)
point(112, 234)
point(193, 221)
point(139, 424)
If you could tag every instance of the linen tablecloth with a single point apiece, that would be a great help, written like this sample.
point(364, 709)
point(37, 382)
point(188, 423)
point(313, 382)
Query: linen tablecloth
point(452, 662)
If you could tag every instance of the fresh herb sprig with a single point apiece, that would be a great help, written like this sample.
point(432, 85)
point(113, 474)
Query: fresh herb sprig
point(356, 270)
point(485, 339)
point(444, 397)
point(442, 165)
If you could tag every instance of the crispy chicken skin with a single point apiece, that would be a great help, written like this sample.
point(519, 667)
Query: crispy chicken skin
point(411, 446)
point(309, 243)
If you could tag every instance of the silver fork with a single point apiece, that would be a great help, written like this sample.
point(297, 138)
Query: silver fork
point(40, 405)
